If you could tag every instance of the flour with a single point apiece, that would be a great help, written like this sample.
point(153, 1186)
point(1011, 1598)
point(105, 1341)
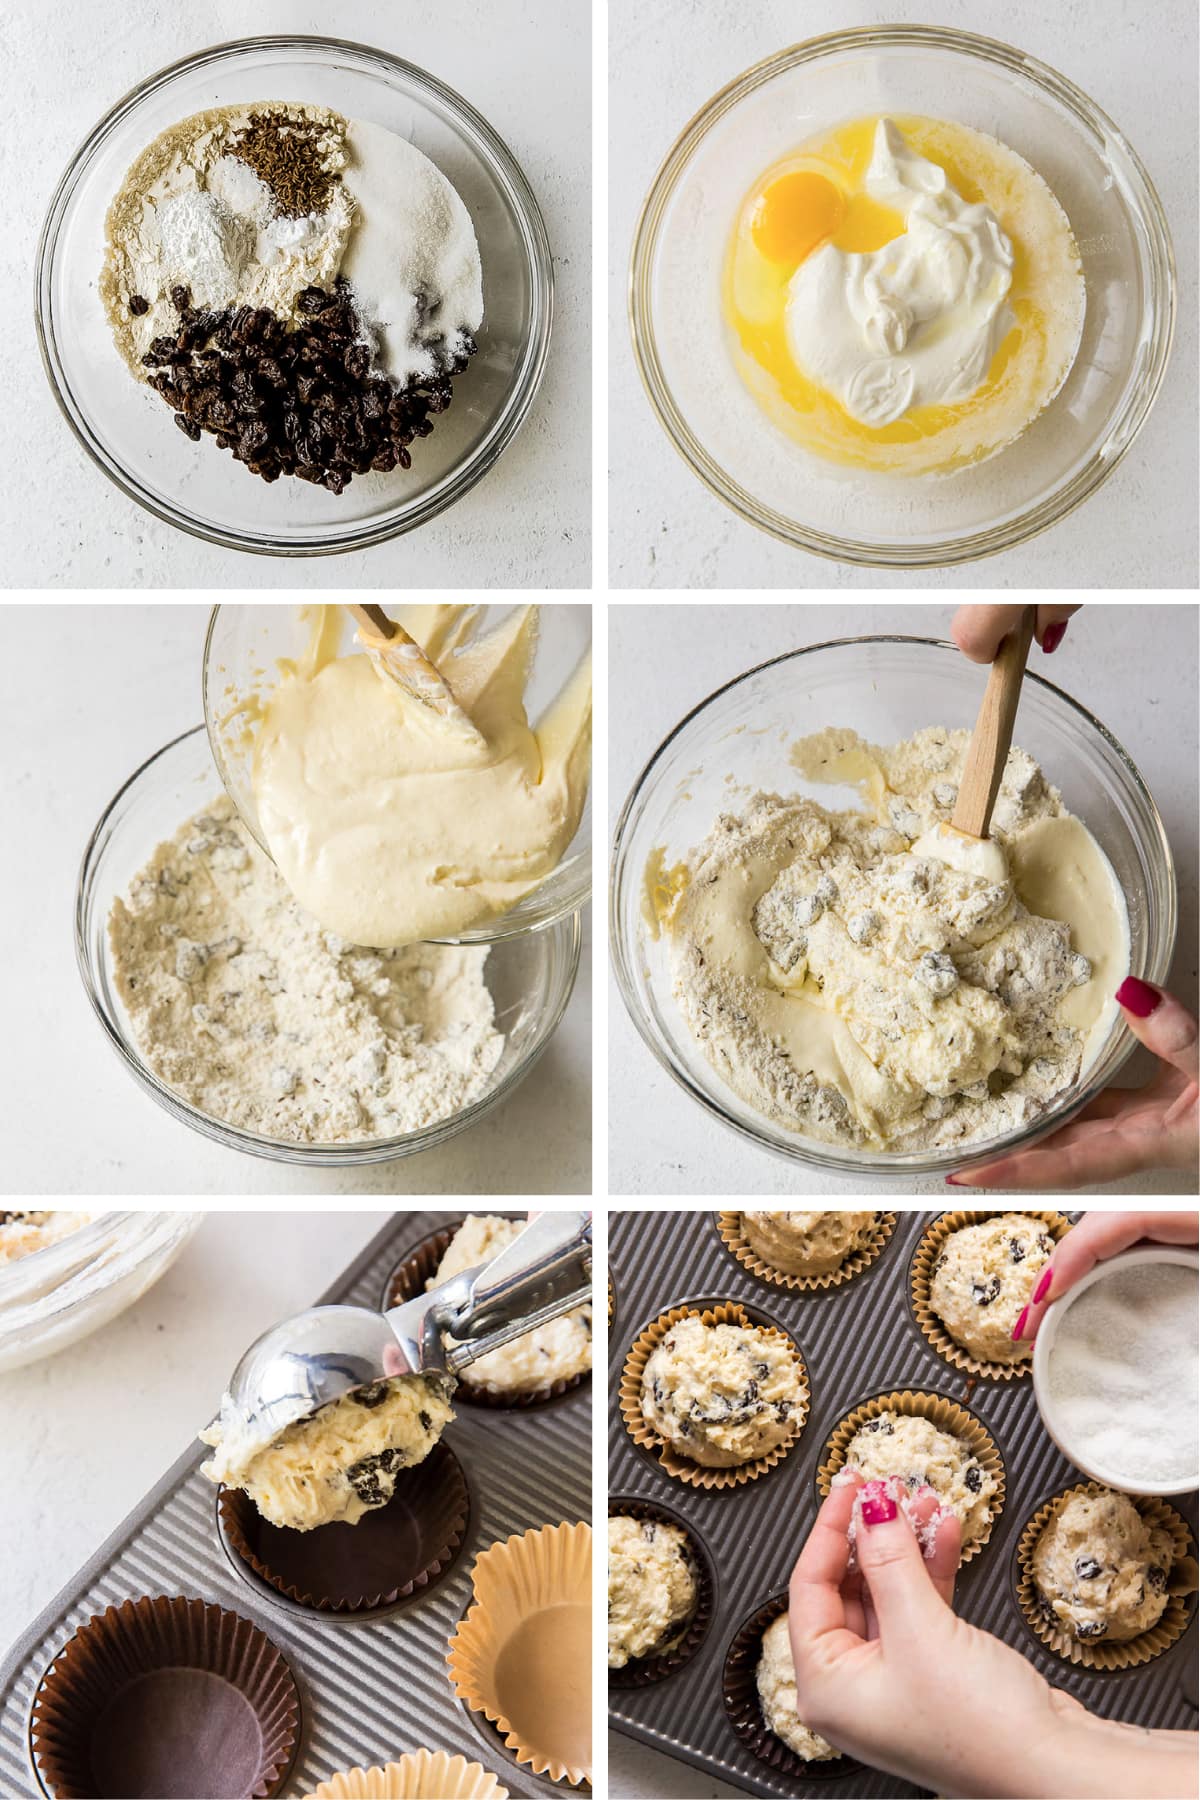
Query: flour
point(242, 1004)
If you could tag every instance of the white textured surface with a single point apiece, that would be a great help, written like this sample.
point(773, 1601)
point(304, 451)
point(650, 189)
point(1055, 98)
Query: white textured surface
point(129, 682)
point(668, 57)
point(526, 67)
point(1132, 664)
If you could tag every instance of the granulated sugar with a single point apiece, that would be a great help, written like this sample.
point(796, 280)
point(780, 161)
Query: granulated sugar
point(1122, 1375)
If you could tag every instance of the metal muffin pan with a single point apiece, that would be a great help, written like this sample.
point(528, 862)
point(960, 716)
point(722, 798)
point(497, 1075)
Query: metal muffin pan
point(857, 1340)
point(370, 1687)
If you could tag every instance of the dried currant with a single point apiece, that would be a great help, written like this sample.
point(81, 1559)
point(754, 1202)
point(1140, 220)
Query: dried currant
point(1087, 1568)
point(983, 1293)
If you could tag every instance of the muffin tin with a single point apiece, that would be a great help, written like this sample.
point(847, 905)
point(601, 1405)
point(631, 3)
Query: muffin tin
point(371, 1686)
point(857, 1340)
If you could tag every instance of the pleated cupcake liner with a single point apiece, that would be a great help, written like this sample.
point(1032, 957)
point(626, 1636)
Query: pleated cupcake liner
point(165, 1690)
point(732, 1235)
point(494, 1659)
point(694, 1474)
point(743, 1708)
point(643, 1671)
point(419, 1775)
point(1101, 1653)
point(947, 1416)
point(393, 1551)
point(408, 1280)
point(921, 1281)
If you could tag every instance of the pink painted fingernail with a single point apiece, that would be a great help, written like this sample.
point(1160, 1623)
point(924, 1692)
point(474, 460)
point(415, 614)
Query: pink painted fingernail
point(1138, 997)
point(1019, 1327)
point(1052, 637)
point(953, 1181)
point(876, 1504)
point(1043, 1287)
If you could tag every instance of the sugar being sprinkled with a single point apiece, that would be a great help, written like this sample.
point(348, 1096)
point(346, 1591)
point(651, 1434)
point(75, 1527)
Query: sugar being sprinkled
point(1122, 1373)
point(925, 1530)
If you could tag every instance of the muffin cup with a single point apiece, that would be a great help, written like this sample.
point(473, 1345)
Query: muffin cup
point(1134, 1652)
point(408, 1280)
point(743, 1708)
point(921, 1280)
point(420, 1775)
point(538, 1695)
point(392, 1552)
point(947, 1416)
point(165, 1695)
point(699, 1475)
point(643, 1671)
point(729, 1227)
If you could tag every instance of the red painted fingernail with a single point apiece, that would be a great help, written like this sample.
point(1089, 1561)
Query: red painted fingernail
point(953, 1181)
point(1052, 637)
point(1138, 997)
point(1019, 1327)
point(876, 1504)
point(1043, 1287)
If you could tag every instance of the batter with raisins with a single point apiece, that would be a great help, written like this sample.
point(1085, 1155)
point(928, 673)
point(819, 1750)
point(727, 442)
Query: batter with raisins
point(807, 1243)
point(919, 1454)
point(652, 1588)
point(1101, 1570)
point(984, 1278)
point(722, 1394)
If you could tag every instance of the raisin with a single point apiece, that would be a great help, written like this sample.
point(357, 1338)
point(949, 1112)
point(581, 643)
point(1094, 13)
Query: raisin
point(424, 1420)
point(883, 1425)
point(181, 298)
point(1090, 1628)
point(138, 304)
point(1016, 1250)
point(373, 1395)
point(1157, 1578)
point(1086, 1568)
point(983, 1293)
point(973, 1478)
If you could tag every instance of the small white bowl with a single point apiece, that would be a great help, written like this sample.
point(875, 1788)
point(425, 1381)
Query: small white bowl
point(1044, 1343)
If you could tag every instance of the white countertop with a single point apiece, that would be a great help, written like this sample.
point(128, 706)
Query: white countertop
point(1132, 664)
point(527, 68)
point(668, 57)
point(127, 681)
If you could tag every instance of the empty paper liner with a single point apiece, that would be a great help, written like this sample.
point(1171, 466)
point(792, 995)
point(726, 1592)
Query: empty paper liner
point(169, 1698)
point(421, 1775)
point(409, 1279)
point(729, 1226)
point(700, 1475)
point(522, 1654)
point(1099, 1653)
point(923, 1264)
point(640, 1671)
point(393, 1551)
point(743, 1708)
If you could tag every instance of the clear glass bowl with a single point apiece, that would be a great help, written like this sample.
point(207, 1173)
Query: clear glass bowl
point(530, 976)
point(131, 435)
point(56, 1296)
point(241, 653)
point(681, 340)
point(885, 688)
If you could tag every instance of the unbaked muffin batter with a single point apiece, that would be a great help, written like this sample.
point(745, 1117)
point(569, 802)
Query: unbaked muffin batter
point(776, 1680)
point(807, 1243)
point(1100, 1570)
point(652, 1588)
point(915, 1451)
point(722, 1394)
point(555, 1352)
point(984, 1279)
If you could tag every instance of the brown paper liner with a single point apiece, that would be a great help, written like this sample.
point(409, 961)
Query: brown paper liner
point(729, 1228)
point(699, 1475)
point(165, 1695)
point(1101, 1654)
point(642, 1671)
point(391, 1553)
point(420, 1775)
point(516, 1659)
point(921, 1279)
point(743, 1708)
point(948, 1416)
point(408, 1280)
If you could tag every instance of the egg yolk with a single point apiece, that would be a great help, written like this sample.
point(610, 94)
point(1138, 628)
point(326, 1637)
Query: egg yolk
point(795, 214)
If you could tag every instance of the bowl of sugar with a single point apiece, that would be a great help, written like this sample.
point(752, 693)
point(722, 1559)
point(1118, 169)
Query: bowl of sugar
point(1115, 1372)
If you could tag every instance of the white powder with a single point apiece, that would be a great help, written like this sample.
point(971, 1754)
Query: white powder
point(205, 245)
point(1122, 1374)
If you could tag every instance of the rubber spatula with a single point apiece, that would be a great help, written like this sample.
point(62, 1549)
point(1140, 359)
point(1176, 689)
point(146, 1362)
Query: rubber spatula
point(399, 658)
point(992, 736)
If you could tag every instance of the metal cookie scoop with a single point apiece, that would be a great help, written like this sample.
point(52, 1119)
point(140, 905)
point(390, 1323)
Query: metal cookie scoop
point(307, 1362)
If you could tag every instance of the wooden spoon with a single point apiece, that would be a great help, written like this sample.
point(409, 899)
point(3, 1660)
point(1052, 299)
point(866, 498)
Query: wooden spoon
point(992, 736)
point(400, 659)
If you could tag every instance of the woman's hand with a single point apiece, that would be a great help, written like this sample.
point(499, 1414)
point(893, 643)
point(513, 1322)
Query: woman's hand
point(979, 631)
point(1123, 1129)
point(1097, 1237)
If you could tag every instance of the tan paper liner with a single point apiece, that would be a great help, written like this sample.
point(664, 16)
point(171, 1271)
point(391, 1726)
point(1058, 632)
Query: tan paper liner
point(743, 1708)
point(699, 1475)
point(392, 1552)
point(1101, 1654)
point(729, 1227)
point(921, 1278)
point(103, 1723)
point(408, 1280)
point(420, 1775)
point(514, 1581)
point(948, 1416)
point(642, 1671)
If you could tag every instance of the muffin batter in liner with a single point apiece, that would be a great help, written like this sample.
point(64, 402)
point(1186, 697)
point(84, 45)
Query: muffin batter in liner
point(419, 1775)
point(641, 1671)
point(729, 1226)
point(946, 1416)
point(1103, 1653)
point(393, 1552)
point(726, 1312)
point(743, 1709)
point(921, 1278)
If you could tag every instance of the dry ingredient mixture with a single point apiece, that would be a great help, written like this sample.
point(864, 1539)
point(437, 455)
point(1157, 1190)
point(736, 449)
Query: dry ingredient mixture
point(557, 1351)
point(1101, 1570)
point(300, 286)
point(242, 1004)
point(23, 1233)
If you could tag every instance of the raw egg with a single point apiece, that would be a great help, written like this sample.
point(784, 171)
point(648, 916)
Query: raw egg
point(795, 214)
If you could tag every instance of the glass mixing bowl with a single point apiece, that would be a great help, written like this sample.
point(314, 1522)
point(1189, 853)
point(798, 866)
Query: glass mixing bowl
point(885, 688)
point(131, 435)
point(681, 341)
point(530, 976)
point(241, 652)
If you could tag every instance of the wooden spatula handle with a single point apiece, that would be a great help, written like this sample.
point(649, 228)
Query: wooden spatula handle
point(993, 731)
point(374, 619)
